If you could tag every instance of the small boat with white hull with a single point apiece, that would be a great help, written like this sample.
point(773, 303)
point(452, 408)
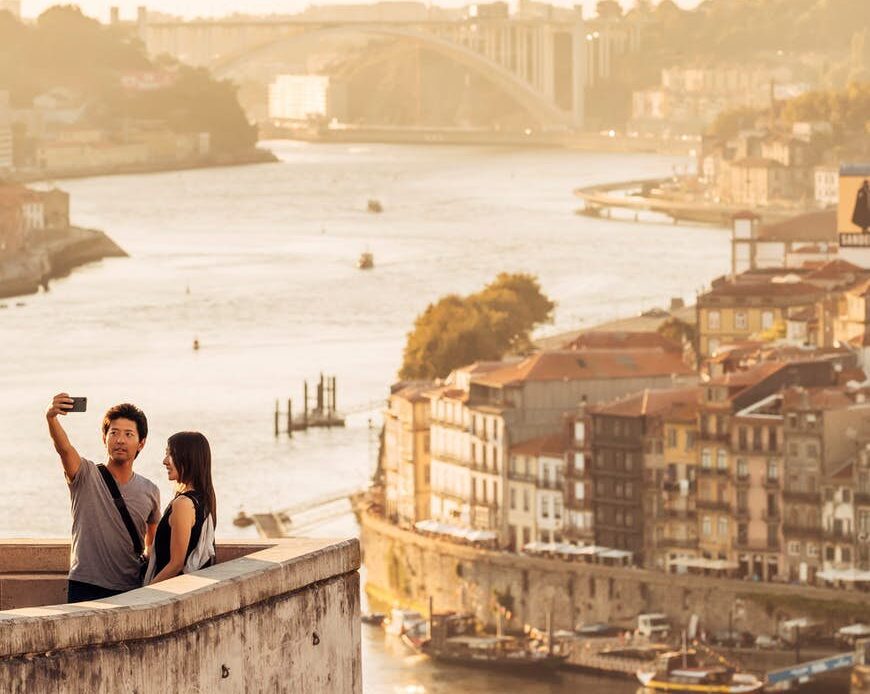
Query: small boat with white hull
point(679, 671)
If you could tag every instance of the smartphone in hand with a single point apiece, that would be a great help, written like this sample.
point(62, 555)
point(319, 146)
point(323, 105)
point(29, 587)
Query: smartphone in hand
point(79, 405)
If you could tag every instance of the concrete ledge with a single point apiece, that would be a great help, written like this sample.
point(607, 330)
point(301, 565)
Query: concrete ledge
point(276, 568)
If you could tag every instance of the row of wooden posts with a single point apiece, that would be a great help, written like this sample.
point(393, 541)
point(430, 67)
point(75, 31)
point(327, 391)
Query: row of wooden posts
point(323, 414)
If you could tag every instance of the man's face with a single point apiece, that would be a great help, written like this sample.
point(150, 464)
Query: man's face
point(122, 440)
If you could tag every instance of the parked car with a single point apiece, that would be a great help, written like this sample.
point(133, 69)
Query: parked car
point(766, 642)
point(598, 630)
point(847, 636)
point(653, 625)
point(732, 639)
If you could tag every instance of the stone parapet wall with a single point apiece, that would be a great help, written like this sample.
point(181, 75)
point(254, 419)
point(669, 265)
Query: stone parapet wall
point(406, 567)
point(277, 616)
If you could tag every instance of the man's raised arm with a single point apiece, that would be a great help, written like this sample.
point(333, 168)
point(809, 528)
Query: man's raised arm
point(69, 457)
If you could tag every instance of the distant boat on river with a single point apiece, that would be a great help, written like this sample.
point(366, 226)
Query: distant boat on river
point(366, 261)
point(374, 206)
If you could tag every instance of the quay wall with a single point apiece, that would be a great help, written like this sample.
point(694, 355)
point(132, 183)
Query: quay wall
point(404, 567)
point(51, 255)
point(282, 616)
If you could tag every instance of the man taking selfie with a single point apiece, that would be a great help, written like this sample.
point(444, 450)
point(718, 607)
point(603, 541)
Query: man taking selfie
point(114, 510)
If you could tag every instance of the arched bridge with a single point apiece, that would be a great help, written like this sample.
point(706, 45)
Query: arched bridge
point(541, 65)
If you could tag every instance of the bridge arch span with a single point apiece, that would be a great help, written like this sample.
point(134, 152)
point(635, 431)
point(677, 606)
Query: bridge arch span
point(533, 101)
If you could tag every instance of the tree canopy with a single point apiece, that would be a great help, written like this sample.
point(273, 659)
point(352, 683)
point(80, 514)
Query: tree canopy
point(456, 331)
point(64, 48)
point(847, 110)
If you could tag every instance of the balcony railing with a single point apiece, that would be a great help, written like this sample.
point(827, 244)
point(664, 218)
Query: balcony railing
point(794, 495)
point(742, 513)
point(802, 531)
point(713, 505)
point(771, 482)
point(679, 543)
point(839, 536)
point(555, 484)
point(677, 513)
point(522, 477)
point(771, 514)
point(584, 504)
point(742, 480)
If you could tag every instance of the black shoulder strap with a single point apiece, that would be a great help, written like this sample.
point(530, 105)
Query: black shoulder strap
point(122, 508)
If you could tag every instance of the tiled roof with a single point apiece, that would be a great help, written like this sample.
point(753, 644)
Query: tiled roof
point(764, 286)
point(812, 226)
point(846, 472)
point(618, 339)
point(758, 163)
point(650, 402)
point(415, 391)
point(815, 399)
point(552, 444)
point(587, 365)
point(748, 377)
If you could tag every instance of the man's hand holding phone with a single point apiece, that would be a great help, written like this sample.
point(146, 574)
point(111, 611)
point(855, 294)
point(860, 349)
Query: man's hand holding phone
point(62, 403)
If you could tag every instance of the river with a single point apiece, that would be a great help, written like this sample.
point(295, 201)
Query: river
point(258, 264)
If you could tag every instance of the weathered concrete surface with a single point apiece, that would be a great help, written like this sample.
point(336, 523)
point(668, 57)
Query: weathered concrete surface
point(405, 567)
point(284, 618)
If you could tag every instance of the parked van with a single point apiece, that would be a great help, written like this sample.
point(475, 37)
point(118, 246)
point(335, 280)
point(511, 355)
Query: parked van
point(654, 626)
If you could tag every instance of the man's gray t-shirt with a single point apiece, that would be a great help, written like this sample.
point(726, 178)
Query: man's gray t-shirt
point(102, 550)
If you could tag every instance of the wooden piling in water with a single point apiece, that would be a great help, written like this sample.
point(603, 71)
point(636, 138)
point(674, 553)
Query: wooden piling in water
point(289, 417)
point(277, 414)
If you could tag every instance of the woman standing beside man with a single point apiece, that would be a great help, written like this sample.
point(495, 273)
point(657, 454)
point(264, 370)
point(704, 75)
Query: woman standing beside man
point(185, 534)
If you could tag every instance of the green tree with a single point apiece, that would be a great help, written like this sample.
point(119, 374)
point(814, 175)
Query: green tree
point(456, 331)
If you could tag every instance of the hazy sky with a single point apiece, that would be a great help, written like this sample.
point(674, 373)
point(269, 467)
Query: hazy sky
point(193, 8)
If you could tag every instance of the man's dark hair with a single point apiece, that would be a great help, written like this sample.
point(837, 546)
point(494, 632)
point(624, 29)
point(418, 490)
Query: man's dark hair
point(127, 411)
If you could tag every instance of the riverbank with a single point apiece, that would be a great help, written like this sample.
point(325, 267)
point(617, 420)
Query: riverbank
point(53, 254)
point(406, 568)
point(245, 158)
point(583, 142)
point(647, 195)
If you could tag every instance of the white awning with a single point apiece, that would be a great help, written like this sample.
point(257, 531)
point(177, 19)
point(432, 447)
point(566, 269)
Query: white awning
point(615, 554)
point(469, 534)
point(847, 575)
point(701, 563)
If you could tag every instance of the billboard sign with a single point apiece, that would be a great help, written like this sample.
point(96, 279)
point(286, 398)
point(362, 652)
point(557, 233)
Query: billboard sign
point(853, 210)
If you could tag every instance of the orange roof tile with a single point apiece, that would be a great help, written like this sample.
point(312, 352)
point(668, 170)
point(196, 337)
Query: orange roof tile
point(748, 377)
point(587, 365)
point(650, 403)
point(622, 340)
point(815, 398)
point(813, 226)
point(552, 444)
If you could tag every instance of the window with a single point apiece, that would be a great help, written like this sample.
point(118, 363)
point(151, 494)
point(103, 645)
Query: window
point(672, 437)
point(707, 526)
point(742, 469)
point(742, 500)
point(579, 462)
point(580, 431)
point(690, 440)
point(557, 507)
point(766, 320)
point(712, 346)
point(525, 499)
point(629, 490)
point(629, 519)
point(579, 490)
point(740, 322)
point(545, 507)
point(721, 459)
point(829, 553)
point(513, 498)
point(705, 458)
point(847, 496)
point(772, 470)
point(812, 549)
point(723, 527)
point(713, 320)
point(846, 555)
point(618, 491)
point(812, 450)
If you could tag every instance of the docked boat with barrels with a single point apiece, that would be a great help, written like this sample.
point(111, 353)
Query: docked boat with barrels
point(679, 671)
point(454, 639)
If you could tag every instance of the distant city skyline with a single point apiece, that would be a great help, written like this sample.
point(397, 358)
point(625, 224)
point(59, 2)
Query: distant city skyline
point(211, 8)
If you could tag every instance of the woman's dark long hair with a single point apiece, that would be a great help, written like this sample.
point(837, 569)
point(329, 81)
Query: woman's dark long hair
point(191, 456)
